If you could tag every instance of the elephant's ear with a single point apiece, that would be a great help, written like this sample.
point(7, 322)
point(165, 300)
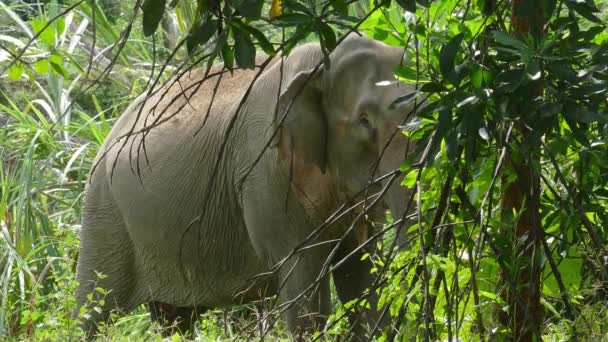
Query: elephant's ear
point(304, 131)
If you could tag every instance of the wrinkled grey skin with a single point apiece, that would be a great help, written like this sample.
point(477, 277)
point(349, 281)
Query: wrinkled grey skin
point(154, 240)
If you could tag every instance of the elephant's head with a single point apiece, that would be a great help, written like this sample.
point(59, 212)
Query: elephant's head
point(342, 120)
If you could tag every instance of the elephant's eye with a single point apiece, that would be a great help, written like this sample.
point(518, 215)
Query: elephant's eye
point(364, 121)
point(370, 131)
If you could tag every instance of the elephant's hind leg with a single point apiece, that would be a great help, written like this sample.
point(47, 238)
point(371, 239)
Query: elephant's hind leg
point(171, 317)
point(106, 263)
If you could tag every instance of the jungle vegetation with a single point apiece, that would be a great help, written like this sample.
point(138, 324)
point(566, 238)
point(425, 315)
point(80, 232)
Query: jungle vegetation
point(510, 177)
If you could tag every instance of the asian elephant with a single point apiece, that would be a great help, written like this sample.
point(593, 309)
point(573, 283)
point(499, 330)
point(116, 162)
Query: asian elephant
point(220, 191)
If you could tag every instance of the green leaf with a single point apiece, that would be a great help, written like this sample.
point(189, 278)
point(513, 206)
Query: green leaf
point(228, 57)
point(493, 297)
point(260, 37)
point(585, 10)
point(295, 6)
point(570, 268)
point(483, 133)
point(473, 99)
point(42, 66)
point(432, 87)
point(153, 13)
point(447, 58)
point(340, 6)
point(292, 19)
point(59, 69)
point(406, 73)
point(16, 71)
point(451, 145)
point(251, 9)
point(60, 25)
point(550, 307)
point(244, 50)
point(301, 33)
point(404, 99)
point(533, 71)
point(200, 34)
point(409, 181)
point(510, 80)
point(408, 5)
point(477, 77)
point(583, 115)
point(329, 37)
point(508, 40)
point(46, 34)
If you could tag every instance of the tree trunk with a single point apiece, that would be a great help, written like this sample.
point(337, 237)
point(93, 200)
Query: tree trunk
point(521, 283)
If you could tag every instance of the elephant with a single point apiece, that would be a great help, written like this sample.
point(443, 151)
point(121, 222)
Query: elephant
point(201, 188)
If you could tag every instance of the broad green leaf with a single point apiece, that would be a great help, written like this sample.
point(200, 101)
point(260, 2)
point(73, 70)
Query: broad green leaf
point(477, 77)
point(42, 66)
point(409, 181)
point(244, 50)
point(340, 6)
point(424, 3)
point(508, 81)
point(292, 19)
point(585, 10)
point(451, 145)
point(329, 37)
point(432, 87)
point(494, 297)
point(295, 6)
point(408, 5)
point(550, 307)
point(533, 71)
point(153, 13)
point(15, 71)
point(251, 9)
point(583, 115)
point(200, 34)
point(405, 99)
point(406, 73)
point(570, 268)
point(447, 58)
point(60, 70)
point(511, 41)
point(228, 57)
point(60, 24)
point(302, 31)
point(260, 37)
point(483, 133)
point(46, 33)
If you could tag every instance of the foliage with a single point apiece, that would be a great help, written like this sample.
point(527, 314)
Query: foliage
point(69, 68)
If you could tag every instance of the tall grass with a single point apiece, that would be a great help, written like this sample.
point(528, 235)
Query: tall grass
point(51, 131)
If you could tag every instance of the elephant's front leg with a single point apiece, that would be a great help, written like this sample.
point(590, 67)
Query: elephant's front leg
point(353, 280)
point(305, 294)
point(276, 226)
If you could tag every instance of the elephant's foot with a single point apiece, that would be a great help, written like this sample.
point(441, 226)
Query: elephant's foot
point(173, 318)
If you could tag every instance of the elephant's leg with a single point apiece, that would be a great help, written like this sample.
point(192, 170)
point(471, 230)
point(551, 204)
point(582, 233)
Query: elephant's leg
point(172, 317)
point(351, 279)
point(276, 225)
point(305, 301)
point(105, 276)
point(105, 271)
